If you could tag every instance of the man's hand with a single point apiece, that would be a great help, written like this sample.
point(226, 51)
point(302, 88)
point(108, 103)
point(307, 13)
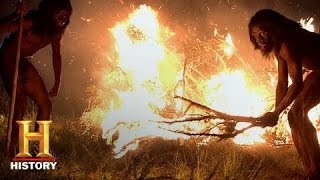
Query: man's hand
point(269, 119)
point(55, 89)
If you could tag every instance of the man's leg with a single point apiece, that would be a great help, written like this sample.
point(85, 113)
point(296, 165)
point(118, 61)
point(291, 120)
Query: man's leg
point(303, 132)
point(34, 88)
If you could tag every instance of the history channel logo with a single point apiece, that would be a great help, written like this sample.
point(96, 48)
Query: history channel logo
point(24, 160)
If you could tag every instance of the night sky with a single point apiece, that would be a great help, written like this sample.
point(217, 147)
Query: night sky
point(87, 39)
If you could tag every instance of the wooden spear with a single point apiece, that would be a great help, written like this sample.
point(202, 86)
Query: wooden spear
point(15, 80)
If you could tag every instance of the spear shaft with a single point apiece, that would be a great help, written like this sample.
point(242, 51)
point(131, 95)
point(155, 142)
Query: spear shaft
point(15, 80)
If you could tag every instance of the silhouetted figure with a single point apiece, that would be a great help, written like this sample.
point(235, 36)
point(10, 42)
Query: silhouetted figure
point(295, 49)
point(40, 28)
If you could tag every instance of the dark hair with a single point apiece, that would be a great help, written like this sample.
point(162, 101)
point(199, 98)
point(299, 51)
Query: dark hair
point(43, 18)
point(273, 23)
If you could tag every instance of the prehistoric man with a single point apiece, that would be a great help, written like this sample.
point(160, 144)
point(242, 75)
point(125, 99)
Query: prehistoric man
point(40, 28)
point(295, 49)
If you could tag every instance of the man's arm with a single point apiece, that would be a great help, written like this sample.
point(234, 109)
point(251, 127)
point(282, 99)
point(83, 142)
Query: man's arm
point(282, 85)
point(295, 72)
point(56, 63)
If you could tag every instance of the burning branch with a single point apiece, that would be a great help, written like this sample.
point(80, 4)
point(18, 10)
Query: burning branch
point(228, 124)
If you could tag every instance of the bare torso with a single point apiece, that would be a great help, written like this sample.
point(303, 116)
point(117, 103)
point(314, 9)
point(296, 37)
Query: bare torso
point(32, 42)
point(308, 47)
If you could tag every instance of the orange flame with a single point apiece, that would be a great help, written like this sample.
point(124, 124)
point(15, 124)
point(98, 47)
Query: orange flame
point(143, 58)
point(227, 46)
point(306, 23)
point(230, 92)
point(151, 74)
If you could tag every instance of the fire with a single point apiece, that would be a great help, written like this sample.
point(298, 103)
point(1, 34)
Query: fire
point(148, 75)
point(227, 46)
point(307, 24)
point(141, 53)
point(142, 57)
point(137, 39)
point(230, 92)
point(314, 116)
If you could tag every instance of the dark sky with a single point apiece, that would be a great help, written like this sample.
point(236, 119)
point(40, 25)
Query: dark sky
point(85, 44)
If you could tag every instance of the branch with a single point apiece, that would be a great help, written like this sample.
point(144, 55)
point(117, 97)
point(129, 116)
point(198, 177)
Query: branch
point(220, 136)
point(189, 119)
point(227, 127)
point(218, 114)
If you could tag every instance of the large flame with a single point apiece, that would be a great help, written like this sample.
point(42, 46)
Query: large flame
point(230, 92)
point(151, 74)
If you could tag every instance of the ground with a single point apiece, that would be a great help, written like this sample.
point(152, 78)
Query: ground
point(82, 154)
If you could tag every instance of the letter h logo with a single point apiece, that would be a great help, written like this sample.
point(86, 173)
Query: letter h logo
point(42, 136)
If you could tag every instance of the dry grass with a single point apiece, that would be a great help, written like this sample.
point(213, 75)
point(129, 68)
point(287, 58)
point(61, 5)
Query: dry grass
point(82, 154)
